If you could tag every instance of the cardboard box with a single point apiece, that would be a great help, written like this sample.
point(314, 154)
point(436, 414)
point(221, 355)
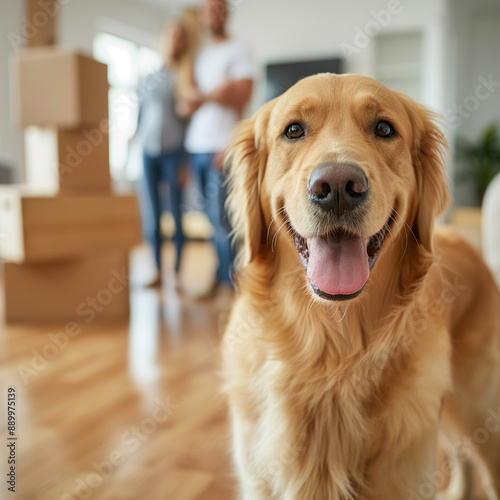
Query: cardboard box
point(41, 25)
point(56, 87)
point(67, 162)
point(38, 227)
point(87, 290)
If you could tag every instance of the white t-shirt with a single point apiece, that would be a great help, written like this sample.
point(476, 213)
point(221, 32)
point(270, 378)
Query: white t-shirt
point(212, 124)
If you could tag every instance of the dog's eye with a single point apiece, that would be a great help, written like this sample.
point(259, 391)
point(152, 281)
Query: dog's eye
point(384, 129)
point(294, 131)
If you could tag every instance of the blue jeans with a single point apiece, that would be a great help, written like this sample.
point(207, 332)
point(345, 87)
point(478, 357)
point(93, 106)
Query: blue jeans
point(211, 187)
point(159, 169)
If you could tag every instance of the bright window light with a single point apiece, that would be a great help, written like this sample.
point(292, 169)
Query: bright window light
point(127, 64)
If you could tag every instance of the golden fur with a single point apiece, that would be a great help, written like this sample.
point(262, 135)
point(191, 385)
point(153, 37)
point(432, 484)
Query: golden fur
point(343, 400)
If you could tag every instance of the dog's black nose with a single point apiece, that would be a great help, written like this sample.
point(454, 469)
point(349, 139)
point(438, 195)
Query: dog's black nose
point(338, 187)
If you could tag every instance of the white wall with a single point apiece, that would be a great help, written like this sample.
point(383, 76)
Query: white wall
point(82, 19)
point(11, 144)
point(480, 60)
point(287, 30)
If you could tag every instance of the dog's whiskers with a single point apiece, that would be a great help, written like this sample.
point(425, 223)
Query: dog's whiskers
point(345, 312)
point(388, 229)
point(406, 237)
point(277, 214)
point(334, 314)
point(288, 230)
point(394, 220)
point(295, 271)
point(406, 225)
point(380, 86)
point(310, 302)
point(277, 232)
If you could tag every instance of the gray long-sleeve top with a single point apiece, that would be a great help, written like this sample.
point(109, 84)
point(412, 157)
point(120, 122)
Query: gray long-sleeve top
point(159, 129)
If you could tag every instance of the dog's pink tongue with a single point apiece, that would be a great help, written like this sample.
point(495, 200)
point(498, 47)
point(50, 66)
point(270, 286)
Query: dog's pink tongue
point(338, 265)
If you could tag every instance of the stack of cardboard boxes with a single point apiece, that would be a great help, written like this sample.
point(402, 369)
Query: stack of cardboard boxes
point(65, 236)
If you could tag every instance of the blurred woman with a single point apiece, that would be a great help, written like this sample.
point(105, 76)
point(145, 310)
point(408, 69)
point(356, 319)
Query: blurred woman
point(160, 132)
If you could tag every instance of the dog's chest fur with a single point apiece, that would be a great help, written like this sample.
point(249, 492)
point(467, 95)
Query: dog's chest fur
point(322, 411)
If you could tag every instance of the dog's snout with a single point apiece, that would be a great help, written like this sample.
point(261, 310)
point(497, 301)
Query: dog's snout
point(338, 187)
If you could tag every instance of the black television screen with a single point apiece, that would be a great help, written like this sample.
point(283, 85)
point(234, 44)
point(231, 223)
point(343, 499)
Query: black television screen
point(280, 77)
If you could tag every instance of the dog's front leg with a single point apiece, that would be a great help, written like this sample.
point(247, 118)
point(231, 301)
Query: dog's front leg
point(253, 485)
point(410, 475)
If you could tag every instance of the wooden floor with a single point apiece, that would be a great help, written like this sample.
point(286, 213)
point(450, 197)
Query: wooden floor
point(129, 411)
point(124, 412)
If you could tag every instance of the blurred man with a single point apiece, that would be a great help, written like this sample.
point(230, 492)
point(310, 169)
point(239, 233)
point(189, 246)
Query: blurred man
point(224, 73)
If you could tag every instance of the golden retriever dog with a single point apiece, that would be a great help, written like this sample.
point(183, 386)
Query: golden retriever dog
point(359, 330)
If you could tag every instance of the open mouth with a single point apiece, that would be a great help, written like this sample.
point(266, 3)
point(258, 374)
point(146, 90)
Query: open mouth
point(338, 264)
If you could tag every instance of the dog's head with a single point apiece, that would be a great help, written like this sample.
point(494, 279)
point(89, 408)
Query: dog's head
point(340, 163)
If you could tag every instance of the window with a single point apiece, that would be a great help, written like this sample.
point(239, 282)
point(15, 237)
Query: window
point(127, 64)
point(398, 62)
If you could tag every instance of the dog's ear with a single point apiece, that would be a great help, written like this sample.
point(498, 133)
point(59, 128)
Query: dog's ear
point(429, 160)
point(429, 149)
point(245, 164)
